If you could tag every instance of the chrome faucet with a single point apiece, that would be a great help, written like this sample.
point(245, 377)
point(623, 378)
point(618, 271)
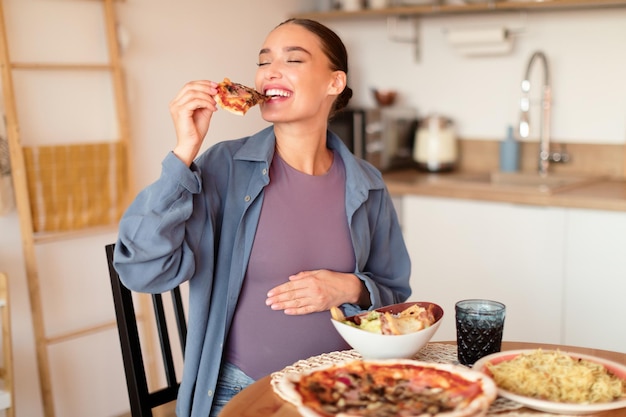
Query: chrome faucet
point(546, 103)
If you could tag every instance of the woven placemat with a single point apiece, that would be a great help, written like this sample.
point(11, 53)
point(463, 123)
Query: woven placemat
point(432, 352)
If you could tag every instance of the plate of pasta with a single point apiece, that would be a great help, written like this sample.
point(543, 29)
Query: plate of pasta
point(555, 381)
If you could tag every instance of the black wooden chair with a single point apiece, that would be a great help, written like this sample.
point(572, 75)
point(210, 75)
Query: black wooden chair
point(142, 400)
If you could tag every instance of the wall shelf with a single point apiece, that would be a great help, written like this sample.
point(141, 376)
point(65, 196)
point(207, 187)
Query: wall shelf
point(486, 7)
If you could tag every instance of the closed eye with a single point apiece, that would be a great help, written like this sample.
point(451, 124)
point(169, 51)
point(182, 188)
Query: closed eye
point(289, 61)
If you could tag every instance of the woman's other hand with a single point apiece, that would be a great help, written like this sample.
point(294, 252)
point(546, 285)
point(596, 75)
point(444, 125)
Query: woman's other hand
point(313, 291)
point(191, 111)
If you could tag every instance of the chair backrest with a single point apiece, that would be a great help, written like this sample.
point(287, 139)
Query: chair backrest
point(142, 401)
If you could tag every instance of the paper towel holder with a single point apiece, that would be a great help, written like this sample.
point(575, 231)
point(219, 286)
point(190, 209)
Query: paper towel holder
point(481, 41)
point(405, 29)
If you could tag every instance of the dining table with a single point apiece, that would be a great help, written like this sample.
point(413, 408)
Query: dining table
point(260, 400)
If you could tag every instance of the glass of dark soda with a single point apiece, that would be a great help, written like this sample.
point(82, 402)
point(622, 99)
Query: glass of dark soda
point(479, 326)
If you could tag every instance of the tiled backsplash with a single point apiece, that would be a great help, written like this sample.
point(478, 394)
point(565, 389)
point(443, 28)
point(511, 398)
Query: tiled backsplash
point(591, 159)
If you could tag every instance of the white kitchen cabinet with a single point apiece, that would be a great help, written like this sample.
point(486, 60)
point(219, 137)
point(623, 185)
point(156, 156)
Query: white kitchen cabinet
point(510, 253)
point(595, 289)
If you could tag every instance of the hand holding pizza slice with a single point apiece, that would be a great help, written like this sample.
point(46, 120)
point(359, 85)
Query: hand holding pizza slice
point(237, 98)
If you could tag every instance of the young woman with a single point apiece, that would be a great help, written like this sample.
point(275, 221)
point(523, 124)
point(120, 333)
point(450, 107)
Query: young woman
point(270, 230)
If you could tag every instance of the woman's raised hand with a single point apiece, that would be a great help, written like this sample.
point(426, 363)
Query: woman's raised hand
point(191, 112)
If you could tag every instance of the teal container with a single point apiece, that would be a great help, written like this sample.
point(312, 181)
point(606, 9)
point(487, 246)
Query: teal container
point(509, 152)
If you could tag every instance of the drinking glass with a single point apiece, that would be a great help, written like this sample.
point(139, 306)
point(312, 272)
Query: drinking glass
point(479, 326)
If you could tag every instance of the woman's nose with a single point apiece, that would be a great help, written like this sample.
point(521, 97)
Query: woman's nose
point(271, 71)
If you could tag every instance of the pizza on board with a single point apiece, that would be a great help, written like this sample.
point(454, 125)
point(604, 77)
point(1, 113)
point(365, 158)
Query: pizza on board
point(237, 98)
point(389, 388)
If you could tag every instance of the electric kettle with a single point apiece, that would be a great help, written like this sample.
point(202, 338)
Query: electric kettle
point(435, 148)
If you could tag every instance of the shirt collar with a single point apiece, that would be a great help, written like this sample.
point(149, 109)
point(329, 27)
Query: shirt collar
point(260, 148)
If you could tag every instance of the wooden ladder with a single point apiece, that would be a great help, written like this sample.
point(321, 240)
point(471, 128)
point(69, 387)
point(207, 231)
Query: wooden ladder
point(7, 393)
point(23, 199)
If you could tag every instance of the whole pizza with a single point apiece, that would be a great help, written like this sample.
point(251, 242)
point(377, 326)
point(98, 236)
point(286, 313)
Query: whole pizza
point(390, 388)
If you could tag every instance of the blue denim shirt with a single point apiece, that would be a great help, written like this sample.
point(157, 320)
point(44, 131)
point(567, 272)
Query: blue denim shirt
point(197, 224)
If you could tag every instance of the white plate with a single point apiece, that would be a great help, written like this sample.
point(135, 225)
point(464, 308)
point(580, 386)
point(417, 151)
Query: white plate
point(550, 406)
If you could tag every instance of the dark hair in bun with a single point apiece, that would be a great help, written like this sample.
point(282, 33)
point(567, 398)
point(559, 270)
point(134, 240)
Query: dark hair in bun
point(335, 50)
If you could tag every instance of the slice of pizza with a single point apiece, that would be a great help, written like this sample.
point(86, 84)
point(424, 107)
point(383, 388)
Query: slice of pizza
point(237, 98)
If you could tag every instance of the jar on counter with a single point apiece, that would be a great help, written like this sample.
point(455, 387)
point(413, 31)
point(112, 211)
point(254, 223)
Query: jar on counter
point(435, 148)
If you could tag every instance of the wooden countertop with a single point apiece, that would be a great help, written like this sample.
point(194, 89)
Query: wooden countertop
point(596, 194)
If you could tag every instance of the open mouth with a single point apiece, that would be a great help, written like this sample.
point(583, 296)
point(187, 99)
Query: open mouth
point(274, 93)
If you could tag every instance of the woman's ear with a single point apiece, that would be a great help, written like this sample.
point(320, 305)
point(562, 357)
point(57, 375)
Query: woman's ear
point(339, 83)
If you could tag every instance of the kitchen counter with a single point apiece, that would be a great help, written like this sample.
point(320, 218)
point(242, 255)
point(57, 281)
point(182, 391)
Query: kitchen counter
point(595, 193)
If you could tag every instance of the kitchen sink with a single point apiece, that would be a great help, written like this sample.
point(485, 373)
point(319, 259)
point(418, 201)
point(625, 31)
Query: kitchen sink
point(516, 181)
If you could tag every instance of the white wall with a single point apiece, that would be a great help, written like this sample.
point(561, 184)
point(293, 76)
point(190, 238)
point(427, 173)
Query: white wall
point(171, 43)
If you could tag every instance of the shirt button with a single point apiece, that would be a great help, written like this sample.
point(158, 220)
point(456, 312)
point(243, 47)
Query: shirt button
point(247, 198)
point(264, 171)
point(210, 393)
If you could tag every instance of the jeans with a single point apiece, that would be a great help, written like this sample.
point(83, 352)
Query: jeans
point(229, 383)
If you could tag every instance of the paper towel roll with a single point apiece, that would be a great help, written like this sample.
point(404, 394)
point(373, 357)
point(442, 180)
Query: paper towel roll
point(480, 42)
point(477, 36)
point(486, 49)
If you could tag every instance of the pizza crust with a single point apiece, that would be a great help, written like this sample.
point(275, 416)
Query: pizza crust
point(286, 388)
point(226, 107)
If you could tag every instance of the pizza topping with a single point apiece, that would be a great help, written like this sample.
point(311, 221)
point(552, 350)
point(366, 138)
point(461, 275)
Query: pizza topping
point(373, 390)
point(237, 98)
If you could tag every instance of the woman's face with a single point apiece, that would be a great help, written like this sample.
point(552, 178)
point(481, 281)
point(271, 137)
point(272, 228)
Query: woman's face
point(296, 73)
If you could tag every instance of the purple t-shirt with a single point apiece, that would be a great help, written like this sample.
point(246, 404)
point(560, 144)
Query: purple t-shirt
point(303, 226)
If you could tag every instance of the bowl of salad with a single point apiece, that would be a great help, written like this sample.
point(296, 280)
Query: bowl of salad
point(391, 332)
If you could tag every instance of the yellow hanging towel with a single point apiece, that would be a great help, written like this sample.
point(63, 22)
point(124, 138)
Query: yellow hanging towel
point(72, 187)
